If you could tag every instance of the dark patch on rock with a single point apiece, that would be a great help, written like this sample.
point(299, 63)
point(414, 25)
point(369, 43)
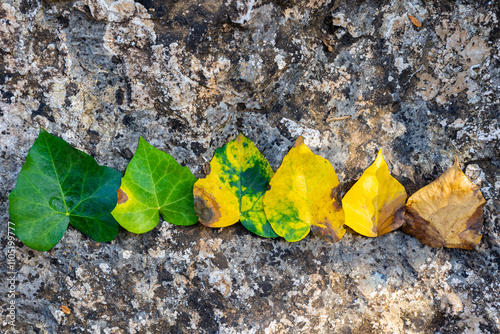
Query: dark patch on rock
point(93, 136)
point(205, 305)
point(195, 40)
point(72, 89)
point(495, 34)
point(155, 8)
point(5, 76)
point(126, 153)
point(346, 39)
point(119, 96)
point(265, 288)
point(285, 3)
point(128, 120)
point(169, 37)
point(43, 110)
point(220, 260)
point(331, 27)
point(63, 21)
point(7, 96)
point(382, 96)
point(198, 148)
point(177, 125)
point(128, 90)
point(28, 6)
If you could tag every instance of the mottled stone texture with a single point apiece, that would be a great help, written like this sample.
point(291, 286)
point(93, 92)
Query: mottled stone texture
point(350, 76)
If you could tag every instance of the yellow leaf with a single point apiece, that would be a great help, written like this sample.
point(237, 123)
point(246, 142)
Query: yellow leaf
point(303, 197)
point(234, 189)
point(447, 212)
point(373, 201)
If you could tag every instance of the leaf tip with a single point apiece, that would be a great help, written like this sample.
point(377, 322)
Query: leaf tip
point(299, 141)
point(380, 154)
point(379, 160)
point(142, 141)
point(240, 137)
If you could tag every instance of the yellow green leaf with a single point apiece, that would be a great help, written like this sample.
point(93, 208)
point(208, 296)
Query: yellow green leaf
point(374, 200)
point(154, 183)
point(303, 197)
point(234, 189)
point(447, 212)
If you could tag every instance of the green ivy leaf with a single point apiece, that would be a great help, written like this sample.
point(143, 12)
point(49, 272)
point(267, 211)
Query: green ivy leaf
point(235, 188)
point(60, 185)
point(154, 183)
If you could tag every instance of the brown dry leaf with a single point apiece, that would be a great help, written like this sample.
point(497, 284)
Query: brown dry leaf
point(447, 212)
point(65, 309)
point(415, 21)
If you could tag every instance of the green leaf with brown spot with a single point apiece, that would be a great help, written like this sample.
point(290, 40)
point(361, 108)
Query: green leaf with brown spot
point(154, 183)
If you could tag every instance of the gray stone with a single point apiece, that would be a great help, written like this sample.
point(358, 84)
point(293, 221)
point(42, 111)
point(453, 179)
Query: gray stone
point(350, 76)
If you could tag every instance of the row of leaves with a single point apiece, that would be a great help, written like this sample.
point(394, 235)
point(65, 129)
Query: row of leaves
point(60, 185)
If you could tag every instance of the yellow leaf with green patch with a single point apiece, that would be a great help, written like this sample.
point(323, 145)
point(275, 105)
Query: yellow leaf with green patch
point(234, 189)
point(304, 197)
point(374, 201)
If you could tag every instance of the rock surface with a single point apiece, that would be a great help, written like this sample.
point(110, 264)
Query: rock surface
point(350, 76)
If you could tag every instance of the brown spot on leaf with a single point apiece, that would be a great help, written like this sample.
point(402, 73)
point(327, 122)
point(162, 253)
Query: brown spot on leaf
point(391, 216)
point(335, 194)
point(326, 231)
point(202, 210)
point(206, 207)
point(422, 230)
point(206, 168)
point(122, 197)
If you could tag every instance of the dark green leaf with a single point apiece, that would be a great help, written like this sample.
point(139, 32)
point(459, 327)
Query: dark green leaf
point(60, 185)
